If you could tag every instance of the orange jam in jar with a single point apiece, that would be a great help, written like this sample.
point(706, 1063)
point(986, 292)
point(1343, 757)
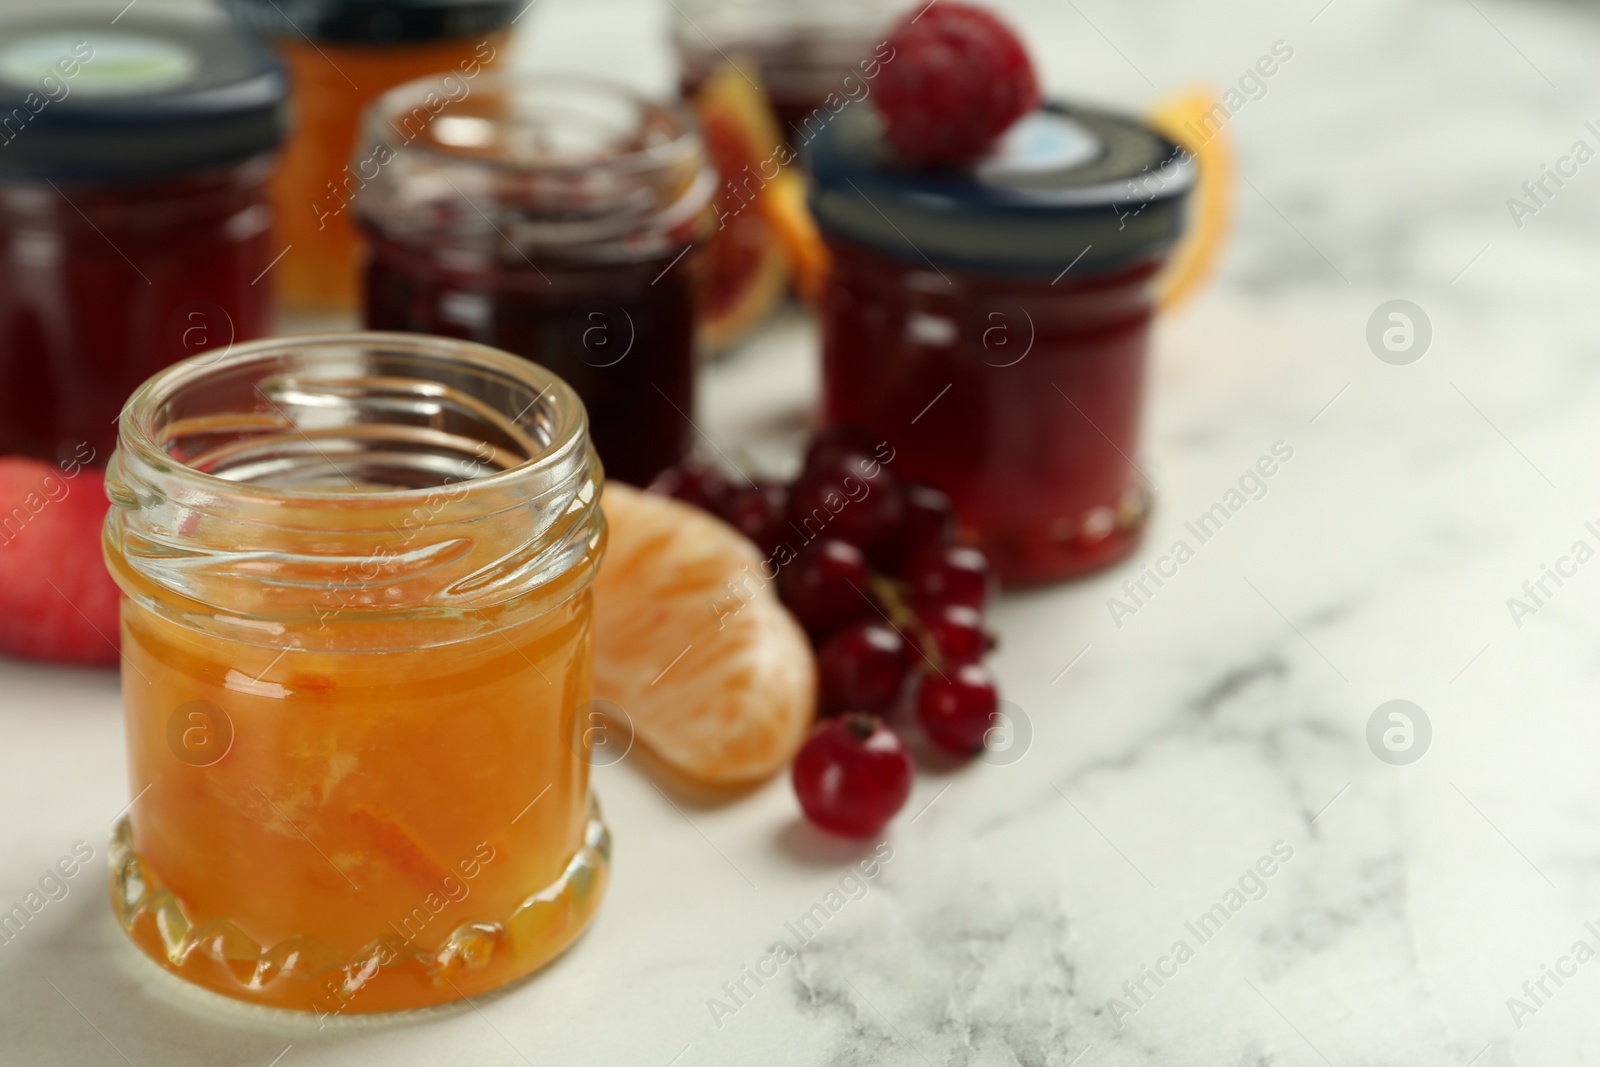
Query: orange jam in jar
point(357, 638)
point(341, 55)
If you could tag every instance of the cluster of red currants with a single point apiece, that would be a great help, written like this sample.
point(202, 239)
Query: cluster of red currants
point(893, 605)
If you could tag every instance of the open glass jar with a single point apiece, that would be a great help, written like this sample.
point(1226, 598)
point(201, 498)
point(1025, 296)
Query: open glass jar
point(555, 218)
point(992, 323)
point(355, 641)
point(134, 222)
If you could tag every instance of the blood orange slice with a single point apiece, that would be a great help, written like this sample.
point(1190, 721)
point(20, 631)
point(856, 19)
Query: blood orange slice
point(764, 230)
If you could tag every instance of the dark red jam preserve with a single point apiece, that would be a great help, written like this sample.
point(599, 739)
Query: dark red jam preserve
point(991, 323)
point(134, 155)
point(556, 219)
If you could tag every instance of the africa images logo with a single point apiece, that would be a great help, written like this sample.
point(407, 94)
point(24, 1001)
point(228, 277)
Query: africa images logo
point(1251, 886)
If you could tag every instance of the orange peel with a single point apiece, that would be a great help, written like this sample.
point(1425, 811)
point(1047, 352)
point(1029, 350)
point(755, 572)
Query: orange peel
point(1182, 119)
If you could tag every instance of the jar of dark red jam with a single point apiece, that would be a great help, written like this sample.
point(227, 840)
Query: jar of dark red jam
point(555, 218)
point(811, 57)
point(134, 224)
point(342, 55)
point(991, 323)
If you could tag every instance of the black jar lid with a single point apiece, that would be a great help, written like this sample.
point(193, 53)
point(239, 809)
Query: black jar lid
point(90, 95)
point(375, 22)
point(1066, 186)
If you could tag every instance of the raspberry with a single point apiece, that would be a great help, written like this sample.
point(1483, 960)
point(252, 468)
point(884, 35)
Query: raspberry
point(56, 600)
point(957, 80)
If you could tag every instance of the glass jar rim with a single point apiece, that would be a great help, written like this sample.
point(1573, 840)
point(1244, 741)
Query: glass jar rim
point(404, 100)
point(476, 492)
point(140, 435)
point(546, 165)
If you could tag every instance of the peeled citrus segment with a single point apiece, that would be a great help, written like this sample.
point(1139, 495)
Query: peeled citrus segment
point(1189, 119)
point(763, 225)
point(721, 686)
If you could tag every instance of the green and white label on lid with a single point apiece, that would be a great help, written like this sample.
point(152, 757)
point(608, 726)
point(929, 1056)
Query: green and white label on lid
point(99, 62)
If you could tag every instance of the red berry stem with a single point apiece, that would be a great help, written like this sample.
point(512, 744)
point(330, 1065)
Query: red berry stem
point(887, 592)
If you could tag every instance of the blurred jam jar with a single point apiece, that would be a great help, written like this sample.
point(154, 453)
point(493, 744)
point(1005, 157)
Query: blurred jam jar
point(357, 639)
point(341, 55)
point(134, 220)
point(811, 57)
point(992, 323)
point(554, 218)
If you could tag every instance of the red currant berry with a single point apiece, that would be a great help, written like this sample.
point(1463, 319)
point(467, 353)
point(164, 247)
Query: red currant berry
point(852, 775)
point(693, 483)
point(838, 443)
point(927, 520)
point(949, 574)
point(758, 512)
point(855, 499)
point(959, 79)
point(863, 668)
point(957, 631)
point(958, 707)
point(826, 587)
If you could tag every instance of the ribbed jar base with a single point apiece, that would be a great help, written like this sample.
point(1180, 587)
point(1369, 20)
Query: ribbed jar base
point(390, 973)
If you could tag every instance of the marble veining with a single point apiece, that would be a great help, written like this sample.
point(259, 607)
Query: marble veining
point(1168, 754)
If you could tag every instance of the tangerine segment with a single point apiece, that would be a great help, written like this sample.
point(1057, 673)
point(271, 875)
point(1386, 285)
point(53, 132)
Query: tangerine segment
point(693, 645)
point(1188, 119)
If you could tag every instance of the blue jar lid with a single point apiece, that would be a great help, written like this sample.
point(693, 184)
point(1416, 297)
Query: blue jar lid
point(1066, 186)
point(376, 22)
point(89, 95)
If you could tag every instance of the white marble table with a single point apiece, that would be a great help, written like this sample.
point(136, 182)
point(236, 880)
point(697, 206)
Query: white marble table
point(1226, 715)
